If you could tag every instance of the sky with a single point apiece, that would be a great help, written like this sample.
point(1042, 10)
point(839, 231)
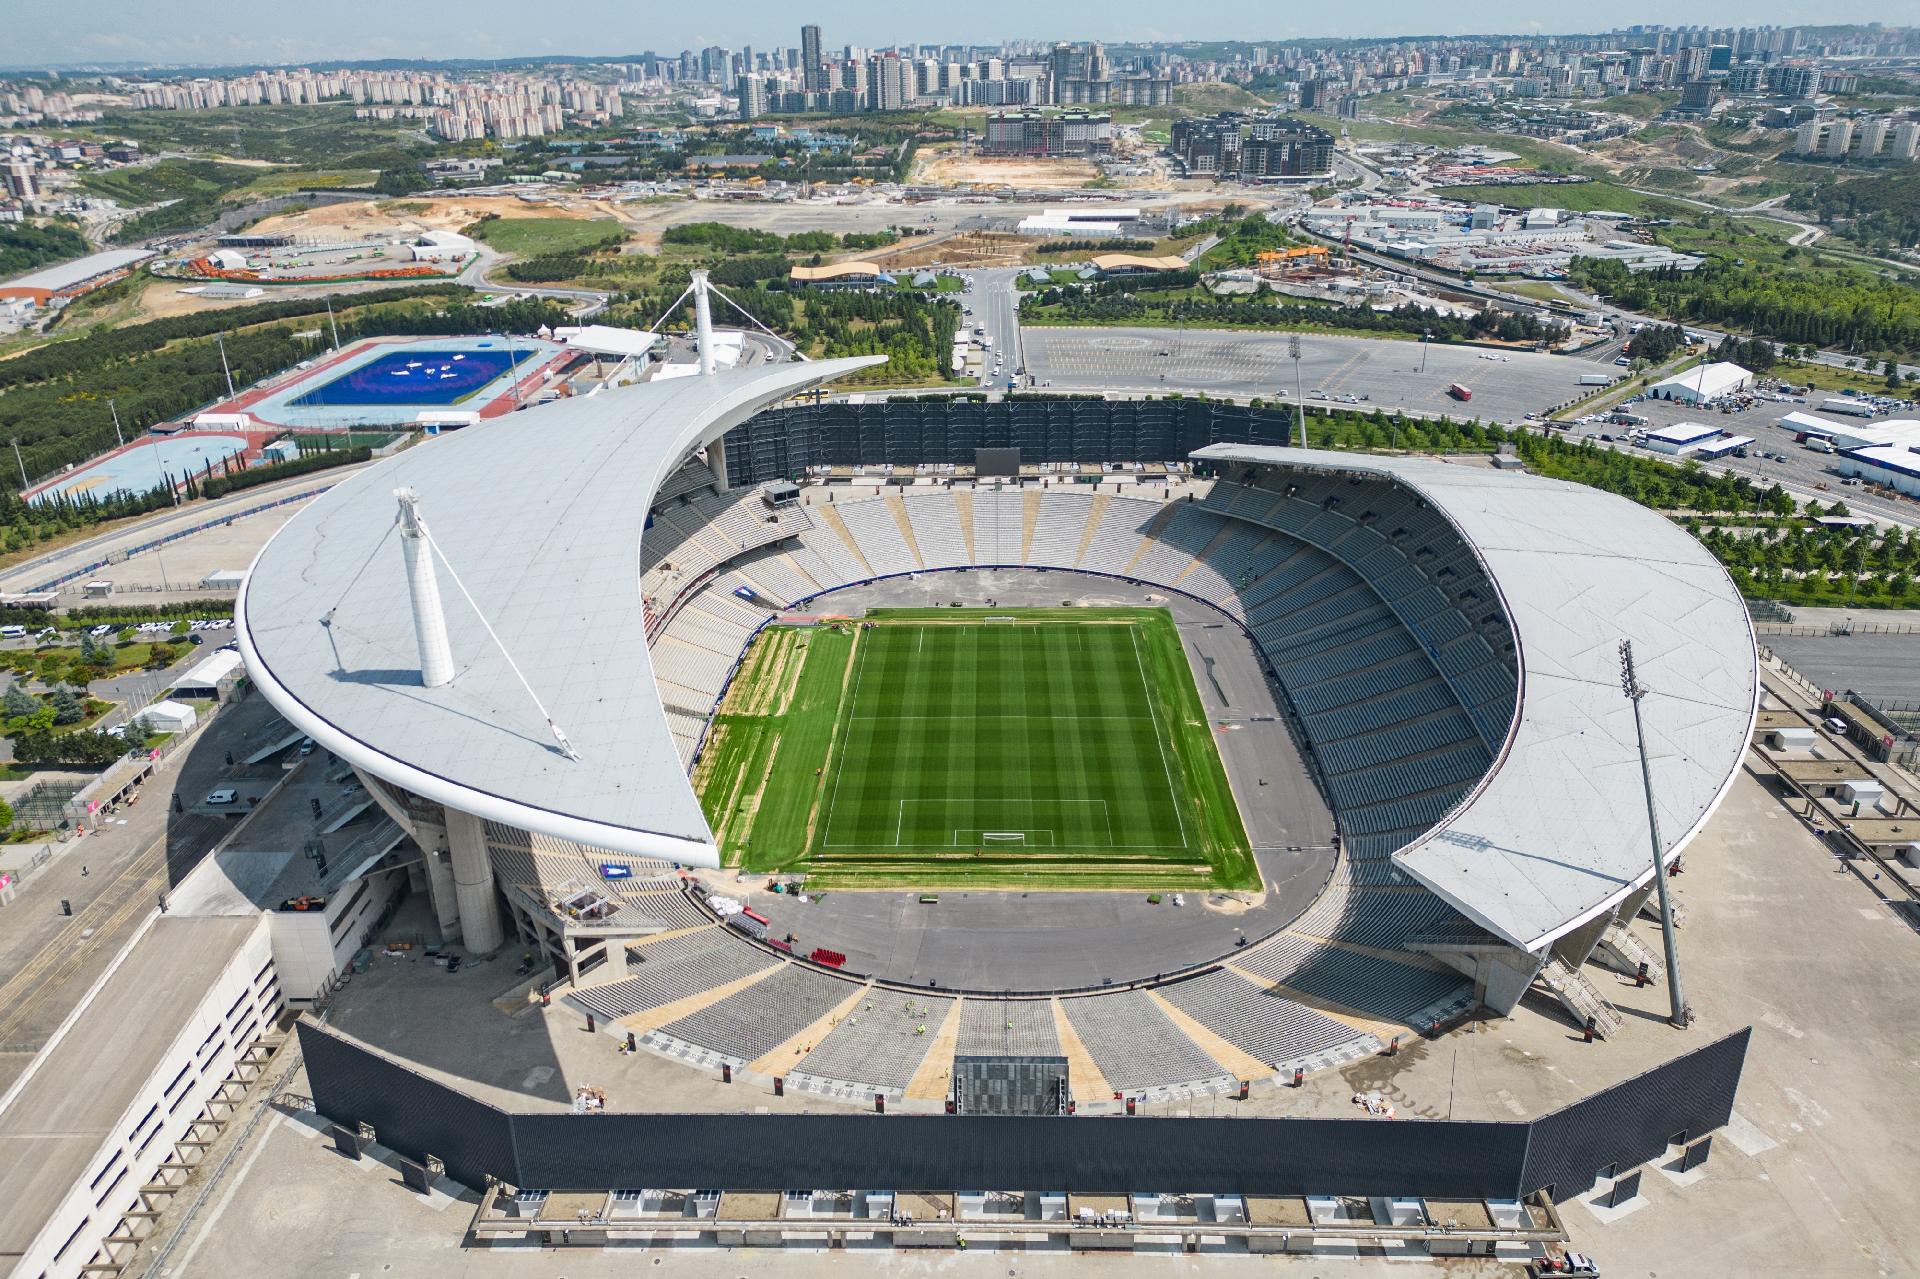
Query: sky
point(187, 32)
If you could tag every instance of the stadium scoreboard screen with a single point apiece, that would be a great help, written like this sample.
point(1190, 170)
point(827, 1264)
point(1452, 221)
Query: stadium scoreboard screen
point(996, 461)
point(1009, 1085)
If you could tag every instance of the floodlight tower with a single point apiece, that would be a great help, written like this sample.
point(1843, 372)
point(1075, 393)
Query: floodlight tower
point(423, 588)
point(1299, 399)
point(1635, 690)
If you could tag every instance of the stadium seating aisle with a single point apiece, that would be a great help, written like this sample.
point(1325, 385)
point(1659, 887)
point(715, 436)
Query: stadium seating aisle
point(751, 1023)
point(999, 517)
point(663, 972)
point(1369, 985)
point(881, 1043)
point(1007, 1028)
point(1136, 1045)
point(1258, 1021)
point(936, 528)
point(877, 535)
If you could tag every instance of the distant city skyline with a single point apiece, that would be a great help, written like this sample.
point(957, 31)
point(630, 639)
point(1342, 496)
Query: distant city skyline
point(193, 32)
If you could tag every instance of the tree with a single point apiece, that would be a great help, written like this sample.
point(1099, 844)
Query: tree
point(137, 733)
point(67, 708)
point(18, 703)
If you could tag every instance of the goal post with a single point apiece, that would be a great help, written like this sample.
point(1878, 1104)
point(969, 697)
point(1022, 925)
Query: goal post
point(1003, 837)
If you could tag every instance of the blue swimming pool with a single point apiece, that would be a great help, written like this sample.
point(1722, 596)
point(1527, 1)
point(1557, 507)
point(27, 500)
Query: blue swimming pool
point(416, 375)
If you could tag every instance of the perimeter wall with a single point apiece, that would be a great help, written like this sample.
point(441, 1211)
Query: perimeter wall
point(1625, 1125)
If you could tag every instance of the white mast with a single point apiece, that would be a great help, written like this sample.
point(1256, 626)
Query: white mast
point(429, 619)
point(703, 322)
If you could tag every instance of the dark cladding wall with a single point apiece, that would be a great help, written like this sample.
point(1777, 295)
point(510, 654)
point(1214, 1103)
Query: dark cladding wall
point(782, 443)
point(1684, 1099)
point(1627, 1124)
point(936, 1152)
point(410, 1113)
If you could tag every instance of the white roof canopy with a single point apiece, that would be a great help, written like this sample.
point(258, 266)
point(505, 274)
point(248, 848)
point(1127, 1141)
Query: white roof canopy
point(1557, 830)
point(540, 514)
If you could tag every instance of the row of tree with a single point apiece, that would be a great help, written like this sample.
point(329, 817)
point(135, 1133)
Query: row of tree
point(1831, 307)
point(1102, 305)
point(64, 417)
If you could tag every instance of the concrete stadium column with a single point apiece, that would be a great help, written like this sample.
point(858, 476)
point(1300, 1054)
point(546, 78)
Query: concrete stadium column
point(717, 462)
point(431, 836)
point(473, 883)
point(1574, 948)
point(1503, 978)
point(1630, 907)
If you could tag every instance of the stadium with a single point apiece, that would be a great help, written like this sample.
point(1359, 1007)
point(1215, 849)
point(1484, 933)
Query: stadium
point(1418, 661)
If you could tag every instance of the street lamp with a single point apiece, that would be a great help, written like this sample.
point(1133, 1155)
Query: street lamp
point(1425, 335)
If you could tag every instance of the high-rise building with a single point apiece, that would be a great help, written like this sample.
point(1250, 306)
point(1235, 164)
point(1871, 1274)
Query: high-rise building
point(1906, 141)
point(1870, 135)
point(813, 66)
point(20, 183)
point(1839, 139)
point(753, 97)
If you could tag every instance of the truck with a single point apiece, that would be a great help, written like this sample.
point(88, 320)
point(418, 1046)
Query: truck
point(1596, 379)
point(1459, 392)
point(1851, 407)
point(1820, 444)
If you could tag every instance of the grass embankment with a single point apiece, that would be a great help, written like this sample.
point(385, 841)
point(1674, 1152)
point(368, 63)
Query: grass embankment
point(535, 237)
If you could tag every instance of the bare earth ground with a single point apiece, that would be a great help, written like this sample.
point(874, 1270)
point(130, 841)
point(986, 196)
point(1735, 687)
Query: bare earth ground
point(945, 166)
point(403, 217)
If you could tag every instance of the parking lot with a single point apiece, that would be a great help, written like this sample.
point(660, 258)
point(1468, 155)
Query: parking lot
point(1375, 372)
point(1798, 468)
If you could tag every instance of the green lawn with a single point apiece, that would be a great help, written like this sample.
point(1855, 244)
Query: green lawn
point(532, 237)
point(1056, 748)
point(1581, 197)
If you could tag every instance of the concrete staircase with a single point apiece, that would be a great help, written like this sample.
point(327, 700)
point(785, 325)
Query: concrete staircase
point(1622, 950)
point(1578, 997)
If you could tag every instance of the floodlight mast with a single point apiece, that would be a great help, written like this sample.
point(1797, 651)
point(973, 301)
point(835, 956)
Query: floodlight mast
point(1630, 685)
point(1299, 400)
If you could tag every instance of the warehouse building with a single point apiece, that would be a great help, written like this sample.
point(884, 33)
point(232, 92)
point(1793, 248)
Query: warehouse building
point(1702, 385)
point(56, 285)
point(1896, 466)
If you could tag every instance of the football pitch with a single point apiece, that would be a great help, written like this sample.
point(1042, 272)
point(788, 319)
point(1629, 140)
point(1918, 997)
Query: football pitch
point(1037, 748)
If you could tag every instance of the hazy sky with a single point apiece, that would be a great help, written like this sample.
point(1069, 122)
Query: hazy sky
point(201, 31)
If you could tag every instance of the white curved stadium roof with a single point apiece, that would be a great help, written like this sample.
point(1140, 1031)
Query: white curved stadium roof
point(1557, 830)
point(540, 513)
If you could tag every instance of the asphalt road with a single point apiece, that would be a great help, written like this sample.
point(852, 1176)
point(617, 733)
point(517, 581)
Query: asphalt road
point(1883, 667)
point(1220, 361)
point(996, 304)
point(111, 877)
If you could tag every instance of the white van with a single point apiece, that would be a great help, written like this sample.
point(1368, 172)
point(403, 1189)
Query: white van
point(225, 795)
point(13, 632)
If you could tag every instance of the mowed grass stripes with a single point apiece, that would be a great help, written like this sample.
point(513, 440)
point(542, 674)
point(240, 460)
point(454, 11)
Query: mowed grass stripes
point(1031, 748)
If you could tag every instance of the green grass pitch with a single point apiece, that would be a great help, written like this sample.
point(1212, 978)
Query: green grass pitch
point(1025, 748)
